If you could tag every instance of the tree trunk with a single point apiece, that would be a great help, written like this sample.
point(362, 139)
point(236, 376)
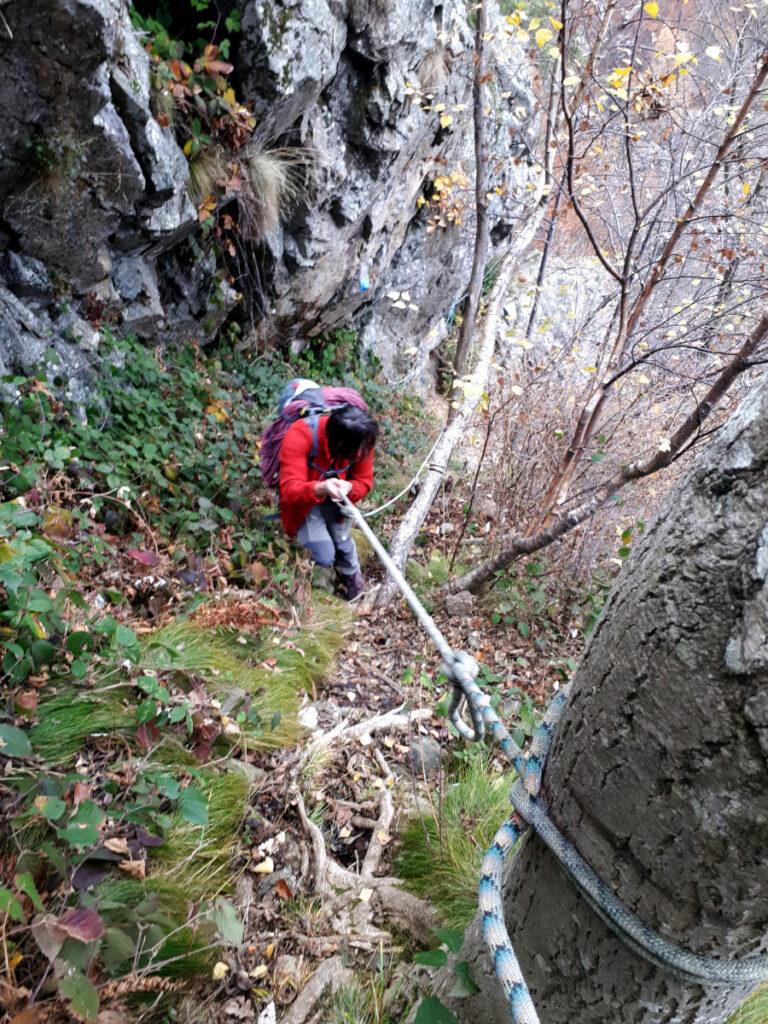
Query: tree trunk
point(404, 536)
point(659, 771)
point(482, 227)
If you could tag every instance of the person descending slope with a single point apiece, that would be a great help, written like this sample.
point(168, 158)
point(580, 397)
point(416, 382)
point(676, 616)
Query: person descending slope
point(319, 450)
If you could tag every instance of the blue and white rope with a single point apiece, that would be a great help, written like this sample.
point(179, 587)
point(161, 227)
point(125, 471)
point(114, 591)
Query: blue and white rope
point(530, 812)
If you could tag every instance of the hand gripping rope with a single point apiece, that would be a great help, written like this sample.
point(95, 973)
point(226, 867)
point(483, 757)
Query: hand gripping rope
point(531, 812)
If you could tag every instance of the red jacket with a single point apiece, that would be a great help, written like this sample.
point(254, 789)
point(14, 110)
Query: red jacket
point(297, 480)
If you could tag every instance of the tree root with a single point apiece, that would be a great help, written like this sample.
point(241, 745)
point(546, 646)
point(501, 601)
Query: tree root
point(380, 836)
point(331, 973)
point(350, 898)
point(397, 719)
point(318, 845)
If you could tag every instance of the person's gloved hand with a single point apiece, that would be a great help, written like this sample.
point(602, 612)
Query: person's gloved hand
point(334, 489)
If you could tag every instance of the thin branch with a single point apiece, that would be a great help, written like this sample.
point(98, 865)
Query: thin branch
point(574, 517)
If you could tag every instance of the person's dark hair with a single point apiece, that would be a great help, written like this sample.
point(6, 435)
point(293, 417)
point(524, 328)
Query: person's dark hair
point(351, 432)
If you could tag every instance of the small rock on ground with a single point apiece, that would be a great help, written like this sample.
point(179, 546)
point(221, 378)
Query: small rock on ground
point(460, 605)
point(426, 757)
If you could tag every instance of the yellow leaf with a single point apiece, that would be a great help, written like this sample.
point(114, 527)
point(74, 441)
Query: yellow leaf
point(746, 188)
point(651, 8)
point(622, 72)
point(229, 97)
point(445, 120)
point(217, 412)
point(220, 971)
point(590, 369)
point(534, 23)
point(557, 25)
point(188, 147)
point(543, 36)
point(522, 36)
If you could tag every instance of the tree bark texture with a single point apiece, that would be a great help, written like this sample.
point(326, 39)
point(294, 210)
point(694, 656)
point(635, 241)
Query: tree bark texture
point(659, 771)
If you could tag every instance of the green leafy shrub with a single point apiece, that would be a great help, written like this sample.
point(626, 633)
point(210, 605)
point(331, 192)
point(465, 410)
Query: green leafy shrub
point(192, 89)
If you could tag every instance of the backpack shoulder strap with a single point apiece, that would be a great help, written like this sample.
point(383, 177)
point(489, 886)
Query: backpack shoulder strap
point(314, 426)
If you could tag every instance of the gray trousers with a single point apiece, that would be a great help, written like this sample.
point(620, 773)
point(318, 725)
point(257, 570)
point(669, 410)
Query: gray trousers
point(326, 534)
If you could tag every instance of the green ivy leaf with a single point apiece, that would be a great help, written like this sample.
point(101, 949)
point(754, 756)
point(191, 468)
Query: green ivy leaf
point(82, 994)
point(146, 711)
point(193, 806)
point(432, 1011)
point(452, 937)
point(464, 985)
point(51, 807)
point(10, 905)
point(14, 742)
point(432, 958)
point(228, 924)
point(125, 636)
point(117, 950)
point(25, 883)
point(82, 828)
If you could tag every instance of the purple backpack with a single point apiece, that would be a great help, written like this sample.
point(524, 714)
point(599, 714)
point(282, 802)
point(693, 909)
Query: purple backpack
point(301, 399)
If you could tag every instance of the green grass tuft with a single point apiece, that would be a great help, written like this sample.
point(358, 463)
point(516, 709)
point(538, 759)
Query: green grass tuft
point(198, 859)
point(753, 1010)
point(440, 860)
point(66, 721)
point(216, 657)
point(367, 999)
point(193, 865)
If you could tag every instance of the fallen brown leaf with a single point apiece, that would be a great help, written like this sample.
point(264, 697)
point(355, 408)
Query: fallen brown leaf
point(134, 868)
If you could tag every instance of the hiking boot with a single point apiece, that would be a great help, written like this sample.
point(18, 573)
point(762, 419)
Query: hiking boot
point(322, 578)
point(354, 585)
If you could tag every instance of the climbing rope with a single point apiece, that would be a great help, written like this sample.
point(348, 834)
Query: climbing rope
point(530, 812)
point(411, 483)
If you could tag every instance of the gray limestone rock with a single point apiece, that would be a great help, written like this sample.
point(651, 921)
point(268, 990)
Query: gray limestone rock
point(26, 277)
point(461, 605)
point(362, 236)
point(426, 757)
point(135, 281)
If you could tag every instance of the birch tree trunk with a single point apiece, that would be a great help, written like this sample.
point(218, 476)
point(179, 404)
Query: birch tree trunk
point(659, 772)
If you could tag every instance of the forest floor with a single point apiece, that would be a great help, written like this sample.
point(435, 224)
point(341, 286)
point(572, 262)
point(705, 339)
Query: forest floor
point(230, 797)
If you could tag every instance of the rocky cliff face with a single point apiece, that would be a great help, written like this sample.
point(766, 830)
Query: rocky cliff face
point(375, 97)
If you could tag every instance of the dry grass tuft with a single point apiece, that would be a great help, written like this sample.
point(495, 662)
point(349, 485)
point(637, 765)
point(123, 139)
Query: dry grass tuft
point(274, 180)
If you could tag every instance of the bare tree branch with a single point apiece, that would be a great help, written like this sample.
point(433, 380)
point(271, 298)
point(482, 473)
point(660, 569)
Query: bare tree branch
point(568, 520)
